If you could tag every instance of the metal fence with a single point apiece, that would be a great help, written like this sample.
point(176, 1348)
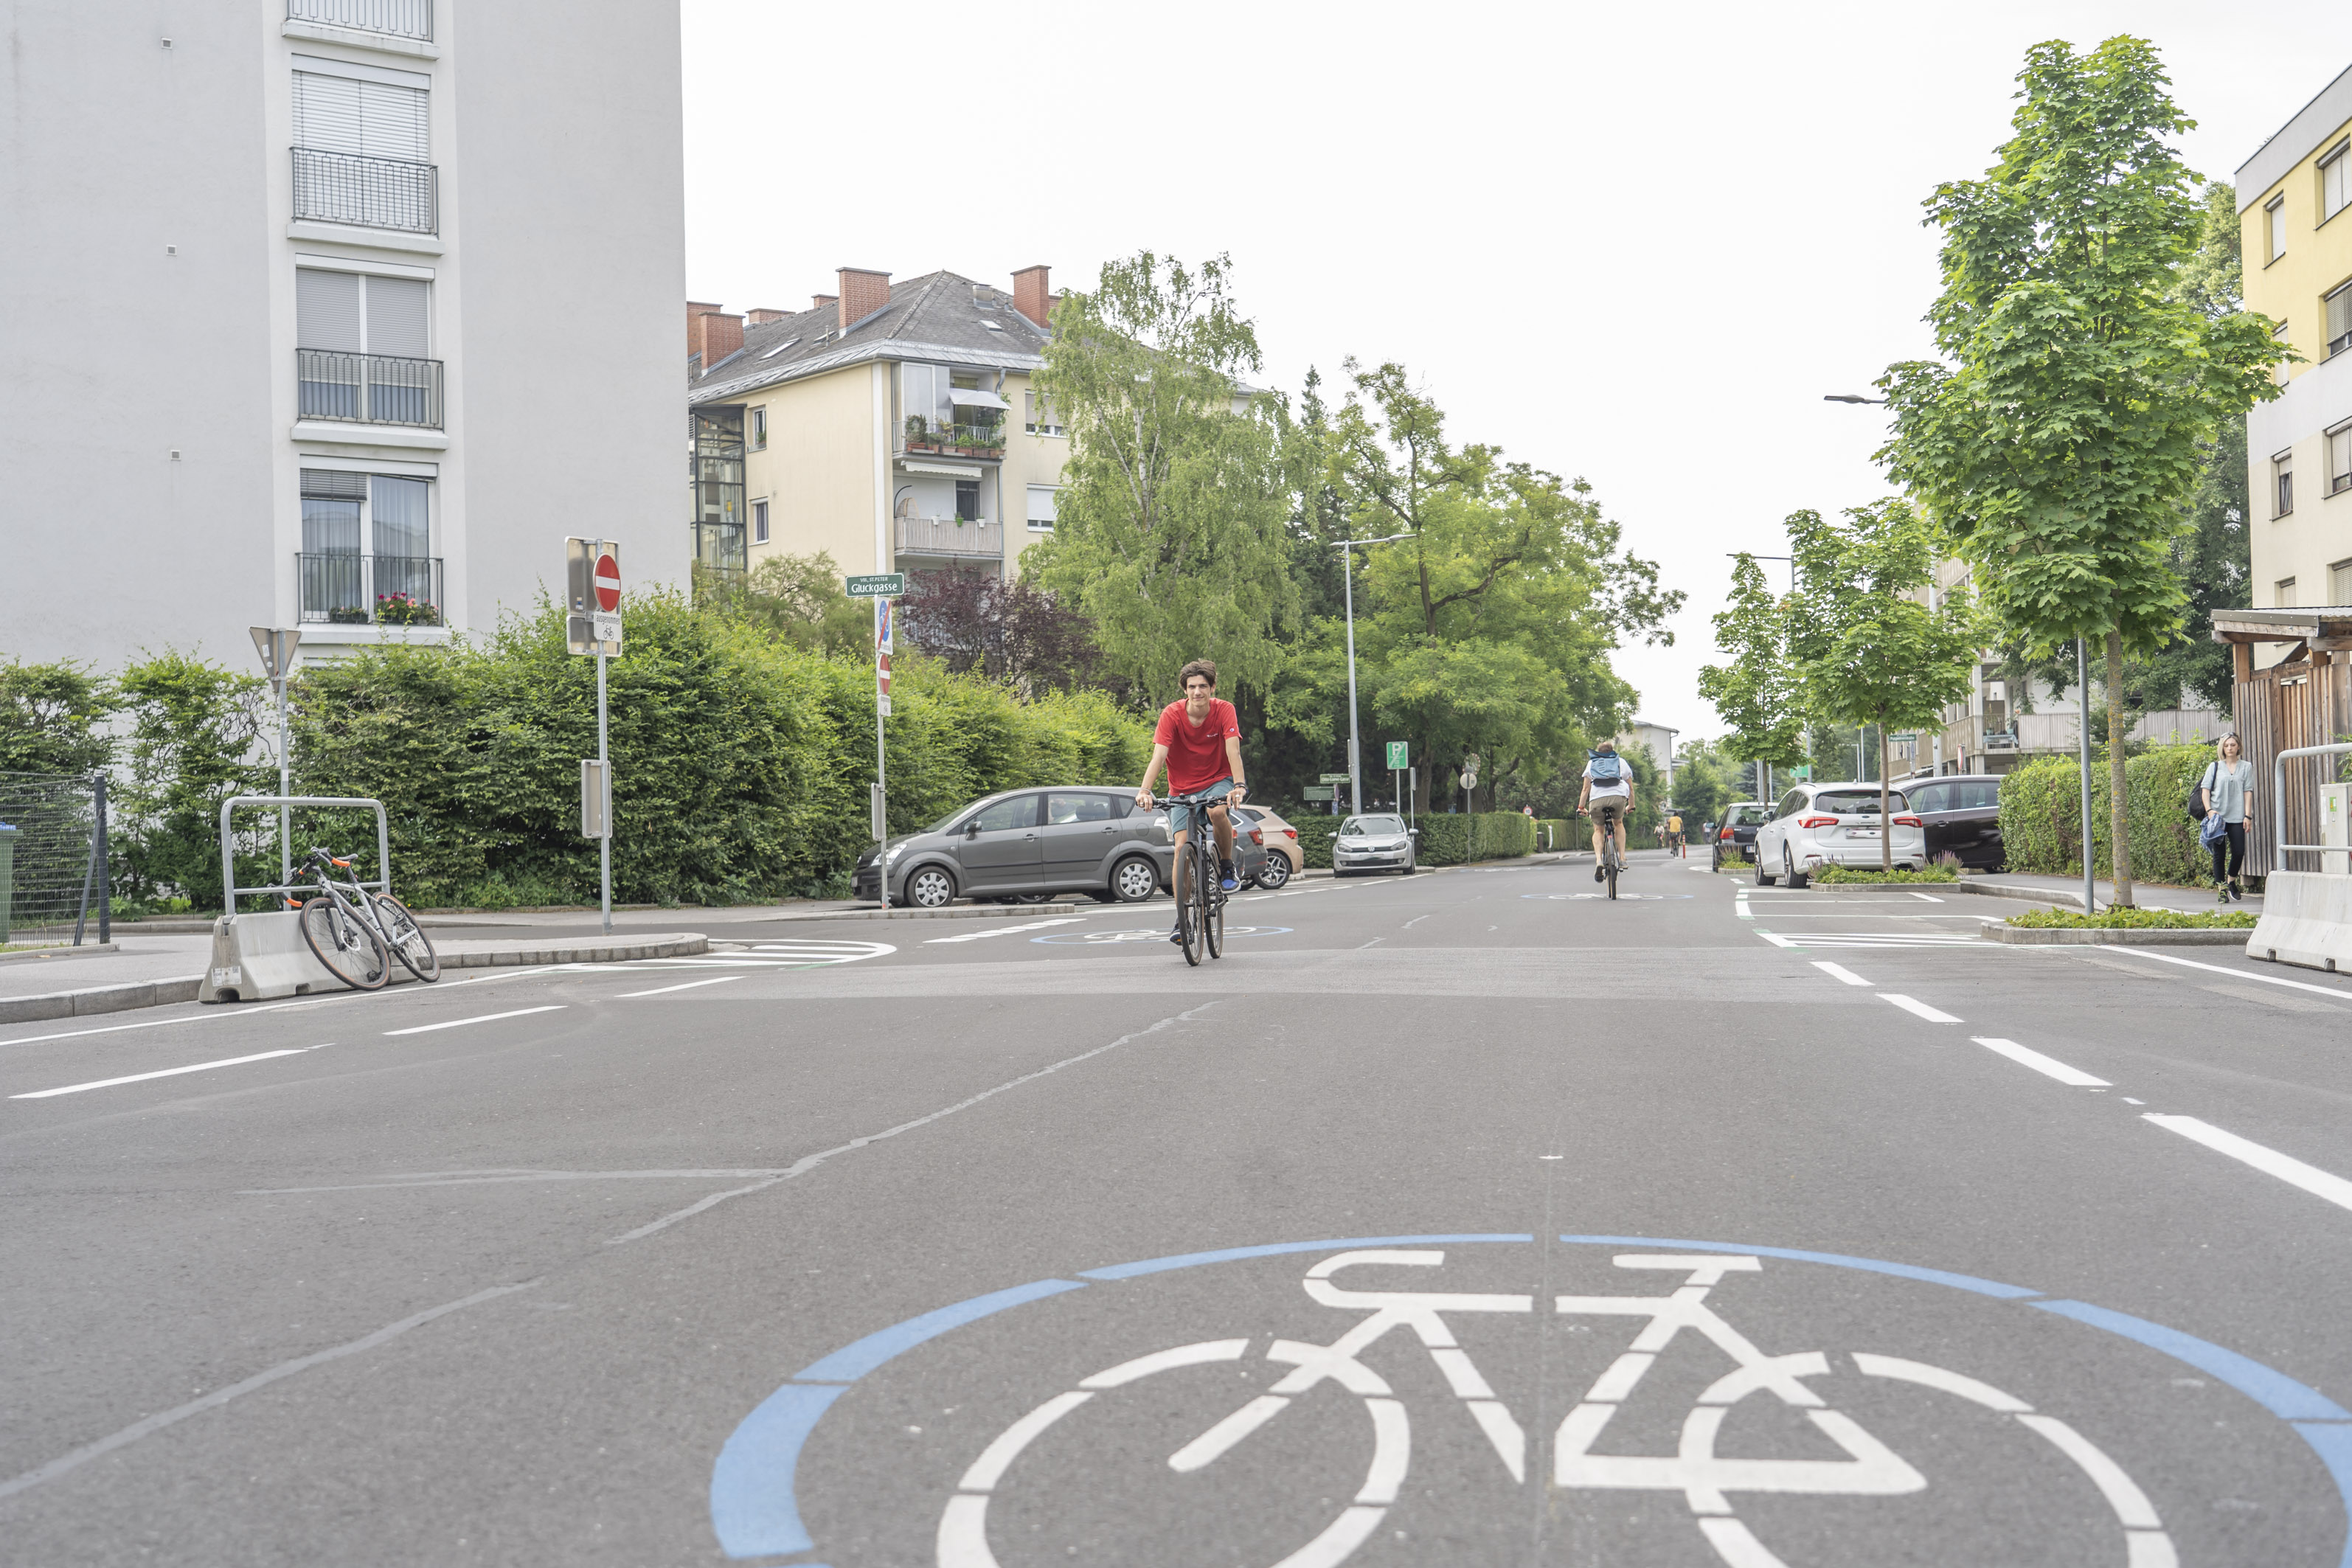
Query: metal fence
point(372, 389)
point(404, 19)
point(60, 879)
point(367, 192)
point(370, 589)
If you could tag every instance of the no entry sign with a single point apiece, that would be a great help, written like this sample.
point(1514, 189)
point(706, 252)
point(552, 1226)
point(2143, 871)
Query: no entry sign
point(592, 595)
point(608, 582)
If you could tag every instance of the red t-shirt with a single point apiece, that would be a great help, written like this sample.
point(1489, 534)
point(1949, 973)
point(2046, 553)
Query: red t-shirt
point(1196, 753)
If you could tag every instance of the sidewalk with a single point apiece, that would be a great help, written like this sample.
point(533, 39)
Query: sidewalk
point(2068, 890)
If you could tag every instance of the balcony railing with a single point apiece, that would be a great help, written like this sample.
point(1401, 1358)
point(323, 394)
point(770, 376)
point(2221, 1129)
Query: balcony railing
point(370, 389)
point(370, 589)
point(948, 536)
point(402, 18)
point(366, 192)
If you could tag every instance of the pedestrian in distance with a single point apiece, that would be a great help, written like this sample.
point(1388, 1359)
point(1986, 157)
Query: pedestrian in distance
point(2226, 795)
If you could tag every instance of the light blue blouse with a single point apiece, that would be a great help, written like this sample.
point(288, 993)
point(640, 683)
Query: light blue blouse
point(2227, 784)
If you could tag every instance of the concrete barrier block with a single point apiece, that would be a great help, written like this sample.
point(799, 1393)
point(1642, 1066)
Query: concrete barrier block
point(2306, 920)
point(258, 958)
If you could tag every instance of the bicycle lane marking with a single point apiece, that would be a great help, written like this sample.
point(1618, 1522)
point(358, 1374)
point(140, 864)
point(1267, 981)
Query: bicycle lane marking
point(755, 1510)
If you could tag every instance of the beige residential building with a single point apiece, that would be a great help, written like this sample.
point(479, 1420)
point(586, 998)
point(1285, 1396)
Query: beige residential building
point(2293, 196)
point(892, 427)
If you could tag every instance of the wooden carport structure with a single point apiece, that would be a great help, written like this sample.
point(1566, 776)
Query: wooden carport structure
point(2305, 699)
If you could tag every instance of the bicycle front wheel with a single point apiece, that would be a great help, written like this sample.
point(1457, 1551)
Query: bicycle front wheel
point(1213, 920)
point(407, 939)
point(1612, 873)
point(340, 941)
point(1191, 907)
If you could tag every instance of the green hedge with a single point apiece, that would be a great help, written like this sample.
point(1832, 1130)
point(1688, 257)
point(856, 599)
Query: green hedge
point(2135, 920)
point(1563, 832)
point(1445, 839)
point(740, 763)
point(2042, 823)
point(1317, 828)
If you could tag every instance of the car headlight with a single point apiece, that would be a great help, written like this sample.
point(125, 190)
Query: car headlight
point(893, 853)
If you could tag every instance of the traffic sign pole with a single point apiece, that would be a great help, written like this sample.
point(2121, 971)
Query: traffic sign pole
point(881, 588)
point(605, 772)
point(592, 579)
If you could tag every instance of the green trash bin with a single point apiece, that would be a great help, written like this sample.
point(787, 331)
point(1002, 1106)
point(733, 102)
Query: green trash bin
point(7, 876)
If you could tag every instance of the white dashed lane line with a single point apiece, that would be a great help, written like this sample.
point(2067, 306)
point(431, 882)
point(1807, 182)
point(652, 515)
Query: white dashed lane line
point(2049, 1066)
point(1913, 1005)
point(682, 985)
point(2319, 1184)
point(1839, 971)
point(167, 1072)
point(483, 1018)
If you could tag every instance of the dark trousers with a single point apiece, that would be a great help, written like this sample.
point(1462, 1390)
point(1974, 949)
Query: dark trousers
point(2234, 840)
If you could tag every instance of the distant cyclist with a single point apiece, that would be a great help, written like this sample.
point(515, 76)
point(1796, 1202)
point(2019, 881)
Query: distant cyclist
point(1609, 794)
point(1199, 743)
point(1674, 831)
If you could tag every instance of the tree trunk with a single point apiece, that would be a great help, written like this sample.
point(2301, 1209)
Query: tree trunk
point(2118, 804)
point(1886, 821)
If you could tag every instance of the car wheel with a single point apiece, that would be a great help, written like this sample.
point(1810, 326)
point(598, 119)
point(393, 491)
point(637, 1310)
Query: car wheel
point(1276, 872)
point(1134, 879)
point(1789, 868)
point(931, 888)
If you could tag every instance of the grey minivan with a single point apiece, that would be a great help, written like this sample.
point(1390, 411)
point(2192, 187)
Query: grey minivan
point(1086, 839)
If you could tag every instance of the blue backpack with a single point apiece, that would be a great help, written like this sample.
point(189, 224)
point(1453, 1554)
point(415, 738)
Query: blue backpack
point(1607, 766)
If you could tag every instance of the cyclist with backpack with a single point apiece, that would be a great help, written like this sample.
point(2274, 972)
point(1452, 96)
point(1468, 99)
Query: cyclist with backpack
point(1609, 794)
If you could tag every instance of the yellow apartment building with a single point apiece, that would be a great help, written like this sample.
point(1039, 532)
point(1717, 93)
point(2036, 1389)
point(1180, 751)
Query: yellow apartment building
point(2293, 196)
point(891, 426)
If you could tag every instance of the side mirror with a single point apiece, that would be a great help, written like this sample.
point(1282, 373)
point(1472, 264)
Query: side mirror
point(1415, 832)
point(972, 828)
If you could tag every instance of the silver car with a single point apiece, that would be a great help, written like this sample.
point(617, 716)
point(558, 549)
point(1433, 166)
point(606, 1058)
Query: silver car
point(1029, 844)
point(1371, 842)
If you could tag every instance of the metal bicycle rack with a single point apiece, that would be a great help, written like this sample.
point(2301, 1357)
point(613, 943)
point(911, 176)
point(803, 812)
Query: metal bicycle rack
point(260, 956)
point(383, 883)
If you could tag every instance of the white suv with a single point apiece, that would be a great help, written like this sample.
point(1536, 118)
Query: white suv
point(1818, 824)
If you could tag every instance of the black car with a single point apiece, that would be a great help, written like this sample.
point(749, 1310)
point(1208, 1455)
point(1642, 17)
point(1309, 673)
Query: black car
point(1962, 814)
point(1735, 838)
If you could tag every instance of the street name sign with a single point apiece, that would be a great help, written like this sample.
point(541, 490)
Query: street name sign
point(879, 585)
point(1335, 778)
point(1320, 792)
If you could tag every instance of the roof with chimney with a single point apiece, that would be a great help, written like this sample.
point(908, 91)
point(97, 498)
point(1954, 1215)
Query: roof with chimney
point(939, 319)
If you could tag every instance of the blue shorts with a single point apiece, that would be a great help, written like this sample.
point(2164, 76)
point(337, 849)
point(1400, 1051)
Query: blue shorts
point(1179, 816)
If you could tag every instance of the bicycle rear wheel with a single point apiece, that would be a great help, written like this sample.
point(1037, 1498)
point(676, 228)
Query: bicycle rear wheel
point(1611, 849)
point(1214, 920)
point(409, 943)
point(342, 941)
point(1188, 905)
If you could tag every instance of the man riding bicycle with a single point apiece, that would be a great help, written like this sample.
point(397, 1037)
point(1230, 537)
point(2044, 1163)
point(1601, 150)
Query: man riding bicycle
point(1199, 742)
point(1609, 793)
point(1675, 831)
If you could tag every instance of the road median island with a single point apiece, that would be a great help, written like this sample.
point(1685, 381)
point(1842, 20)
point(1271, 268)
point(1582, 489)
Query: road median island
point(2000, 930)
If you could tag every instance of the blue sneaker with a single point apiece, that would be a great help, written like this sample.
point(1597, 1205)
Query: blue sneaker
point(1225, 878)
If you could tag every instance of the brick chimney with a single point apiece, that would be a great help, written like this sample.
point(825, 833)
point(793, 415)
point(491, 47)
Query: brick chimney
point(861, 293)
point(762, 316)
point(693, 334)
point(715, 336)
point(823, 301)
point(1029, 295)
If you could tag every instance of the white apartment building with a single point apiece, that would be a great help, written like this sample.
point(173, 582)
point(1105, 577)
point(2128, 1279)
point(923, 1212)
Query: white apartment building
point(285, 294)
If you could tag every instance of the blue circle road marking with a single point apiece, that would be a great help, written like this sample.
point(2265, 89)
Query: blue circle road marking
point(1155, 933)
point(755, 1509)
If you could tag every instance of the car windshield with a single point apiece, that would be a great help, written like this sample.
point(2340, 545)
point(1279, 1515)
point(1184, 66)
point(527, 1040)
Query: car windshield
point(1857, 803)
point(1364, 827)
point(1750, 815)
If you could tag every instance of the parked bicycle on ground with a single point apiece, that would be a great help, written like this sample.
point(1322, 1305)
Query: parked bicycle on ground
point(357, 932)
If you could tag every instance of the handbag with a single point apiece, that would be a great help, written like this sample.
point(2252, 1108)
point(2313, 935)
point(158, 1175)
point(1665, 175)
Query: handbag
point(2199, 792)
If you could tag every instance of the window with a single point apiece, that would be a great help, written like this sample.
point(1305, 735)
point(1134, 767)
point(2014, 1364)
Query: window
point(2339, 460)
point(2332, 176)
point(362, 111)
point(2280, 372)
point(2339, 582)
point(2282, 484)
point(2274, 211)
point(1006, 816)
point(1932, 798)
point(2282, 593)
point(967, 500)
point(354, 314)
point(2339, 320)
point(1041, 508)
point(1039, 417)
point(1074, 807)
point(759, 522)
point(760, 430)
point(367, 549)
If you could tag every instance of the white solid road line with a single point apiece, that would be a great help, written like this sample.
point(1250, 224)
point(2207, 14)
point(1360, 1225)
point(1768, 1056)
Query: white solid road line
point(484, 1018)
point(683, 985)
point(1005, 930)
point(1912, 1005)
point(167, 1072)
point(1839, 971)
point(2049, 1065)
point(1929, 897)
point(2270, 1161)
point(2341, 996)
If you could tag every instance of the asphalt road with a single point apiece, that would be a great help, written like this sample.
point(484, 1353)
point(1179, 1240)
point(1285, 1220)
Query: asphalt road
point(1460, 1219)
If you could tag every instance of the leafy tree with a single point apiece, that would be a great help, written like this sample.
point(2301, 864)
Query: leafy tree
point(199, 733)
point(2063, 441)
point(1010, 630)
point(1704, 783)
point(1868, 650)
point(1486, 627)
point(1757, 693)
point(1168, 531)
point(797, 599)
point(53, 718)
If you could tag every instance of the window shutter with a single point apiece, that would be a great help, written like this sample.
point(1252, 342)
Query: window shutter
point(1041, 506)
point(326, 112)
point(367, 119)
point(392, 122)
point(396, 318)
point(327, 310)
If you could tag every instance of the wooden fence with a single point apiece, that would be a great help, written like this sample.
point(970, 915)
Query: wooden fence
point(2305, 703)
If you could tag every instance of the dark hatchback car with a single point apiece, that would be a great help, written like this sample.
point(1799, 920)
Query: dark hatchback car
point(1735, 838)
point(1031, 843)
point(1962, 816)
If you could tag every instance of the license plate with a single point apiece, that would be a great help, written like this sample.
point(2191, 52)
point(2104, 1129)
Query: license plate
point(1862, 833)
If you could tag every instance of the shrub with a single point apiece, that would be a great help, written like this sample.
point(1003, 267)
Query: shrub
point(2040, 816)
point(1869, 874)
point(1458, 839)
point(2138, 919)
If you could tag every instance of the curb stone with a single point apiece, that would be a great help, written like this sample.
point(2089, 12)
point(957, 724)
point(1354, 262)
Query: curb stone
point(2115, 936)
point(123, 998)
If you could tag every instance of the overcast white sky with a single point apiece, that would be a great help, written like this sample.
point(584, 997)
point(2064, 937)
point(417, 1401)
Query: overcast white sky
point(1631, 243)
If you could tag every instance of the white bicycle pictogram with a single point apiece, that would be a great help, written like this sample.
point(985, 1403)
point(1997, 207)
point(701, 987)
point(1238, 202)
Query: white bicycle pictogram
point(1706, 1478)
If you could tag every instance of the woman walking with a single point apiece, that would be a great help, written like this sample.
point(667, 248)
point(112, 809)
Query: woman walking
point(2228, 787)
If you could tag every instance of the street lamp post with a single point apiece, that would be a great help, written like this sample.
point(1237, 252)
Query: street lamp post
point(1348, 586)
